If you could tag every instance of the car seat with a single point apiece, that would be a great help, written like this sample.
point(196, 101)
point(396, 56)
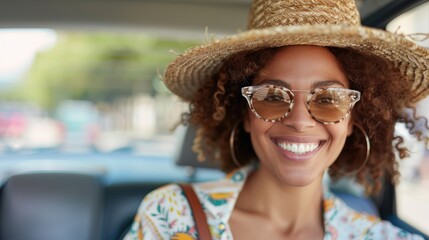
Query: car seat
point(51, 205)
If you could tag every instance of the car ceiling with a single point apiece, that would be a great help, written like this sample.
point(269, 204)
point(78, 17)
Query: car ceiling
point(171, 17)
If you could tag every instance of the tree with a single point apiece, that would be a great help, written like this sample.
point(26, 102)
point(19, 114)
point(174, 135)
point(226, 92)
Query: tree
point(100, 67)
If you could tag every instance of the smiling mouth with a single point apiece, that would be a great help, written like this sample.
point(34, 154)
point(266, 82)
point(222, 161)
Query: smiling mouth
point(298, 148)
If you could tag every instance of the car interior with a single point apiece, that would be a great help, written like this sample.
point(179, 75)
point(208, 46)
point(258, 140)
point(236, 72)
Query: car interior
point(44, 199)
point(70, 204)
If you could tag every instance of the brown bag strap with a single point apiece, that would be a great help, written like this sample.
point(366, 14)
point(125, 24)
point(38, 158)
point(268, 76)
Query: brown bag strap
point(197, 211)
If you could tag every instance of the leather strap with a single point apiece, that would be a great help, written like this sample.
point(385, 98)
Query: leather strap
point(197, 211)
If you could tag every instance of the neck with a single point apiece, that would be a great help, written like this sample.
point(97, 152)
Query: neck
point(293, 208)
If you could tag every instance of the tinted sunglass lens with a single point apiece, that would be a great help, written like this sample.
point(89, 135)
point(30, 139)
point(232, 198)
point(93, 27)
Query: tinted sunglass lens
point(329, 105)
point(271, 103)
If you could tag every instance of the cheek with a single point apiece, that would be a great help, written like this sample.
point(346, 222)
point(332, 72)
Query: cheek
point(350, 128)
point(246, 121)
point(339, 133)
point(257, 129)
point(343, 128)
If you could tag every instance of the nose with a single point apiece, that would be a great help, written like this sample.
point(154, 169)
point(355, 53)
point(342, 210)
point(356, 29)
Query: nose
point(299, 118)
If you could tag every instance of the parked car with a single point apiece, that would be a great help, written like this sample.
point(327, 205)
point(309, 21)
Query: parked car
point(98, 78)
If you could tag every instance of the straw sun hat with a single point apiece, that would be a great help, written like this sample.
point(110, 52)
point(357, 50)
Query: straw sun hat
point(274, 23)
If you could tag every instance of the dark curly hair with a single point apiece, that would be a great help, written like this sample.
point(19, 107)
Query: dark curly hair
point(383, 93)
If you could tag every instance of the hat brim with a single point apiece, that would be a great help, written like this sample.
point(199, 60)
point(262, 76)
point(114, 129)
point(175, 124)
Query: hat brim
point(197, 66)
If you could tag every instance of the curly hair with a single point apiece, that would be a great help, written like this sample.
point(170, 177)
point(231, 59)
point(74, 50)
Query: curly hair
point(377, 112)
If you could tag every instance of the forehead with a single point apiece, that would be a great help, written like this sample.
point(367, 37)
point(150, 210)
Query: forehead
point(303, 66)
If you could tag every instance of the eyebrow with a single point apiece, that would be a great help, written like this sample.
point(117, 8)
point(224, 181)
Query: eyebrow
point(317, 84)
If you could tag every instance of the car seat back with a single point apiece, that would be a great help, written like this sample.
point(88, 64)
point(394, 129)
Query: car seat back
point(51, 205)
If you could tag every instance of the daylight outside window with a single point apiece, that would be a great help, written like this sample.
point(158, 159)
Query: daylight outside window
point(412, 193)
point(65, 91)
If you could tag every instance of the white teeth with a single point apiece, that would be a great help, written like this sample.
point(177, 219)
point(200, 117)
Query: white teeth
point(298, 148)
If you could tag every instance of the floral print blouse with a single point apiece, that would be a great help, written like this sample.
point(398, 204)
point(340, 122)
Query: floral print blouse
point(165, 214)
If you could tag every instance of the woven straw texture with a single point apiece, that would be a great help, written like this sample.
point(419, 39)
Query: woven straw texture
point(275, 23)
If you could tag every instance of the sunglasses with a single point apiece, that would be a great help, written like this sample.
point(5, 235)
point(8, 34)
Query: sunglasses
point(272, 103)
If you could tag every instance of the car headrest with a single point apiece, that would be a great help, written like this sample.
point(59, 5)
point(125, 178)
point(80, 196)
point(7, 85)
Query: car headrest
point(51, 205)
point(184, 154)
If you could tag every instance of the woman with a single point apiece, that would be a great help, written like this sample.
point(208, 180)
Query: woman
point(304, 91)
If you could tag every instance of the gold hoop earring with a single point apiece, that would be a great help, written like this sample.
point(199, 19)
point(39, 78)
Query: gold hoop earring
point(231, 144)
point(368, 149)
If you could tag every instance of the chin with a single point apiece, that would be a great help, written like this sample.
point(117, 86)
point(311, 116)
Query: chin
point(299, 180)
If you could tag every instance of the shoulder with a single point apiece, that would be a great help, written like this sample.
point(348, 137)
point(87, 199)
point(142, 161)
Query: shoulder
point(163, 195)
point(345, 222)
point(165, 203)
point(164, 213)
point(385, 230)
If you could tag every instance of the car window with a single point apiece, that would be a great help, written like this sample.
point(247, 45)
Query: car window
point(68, 91)
point(412, 192)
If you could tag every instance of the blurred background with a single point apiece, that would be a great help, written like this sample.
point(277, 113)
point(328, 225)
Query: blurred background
point(90, 88)
point(85, 91)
